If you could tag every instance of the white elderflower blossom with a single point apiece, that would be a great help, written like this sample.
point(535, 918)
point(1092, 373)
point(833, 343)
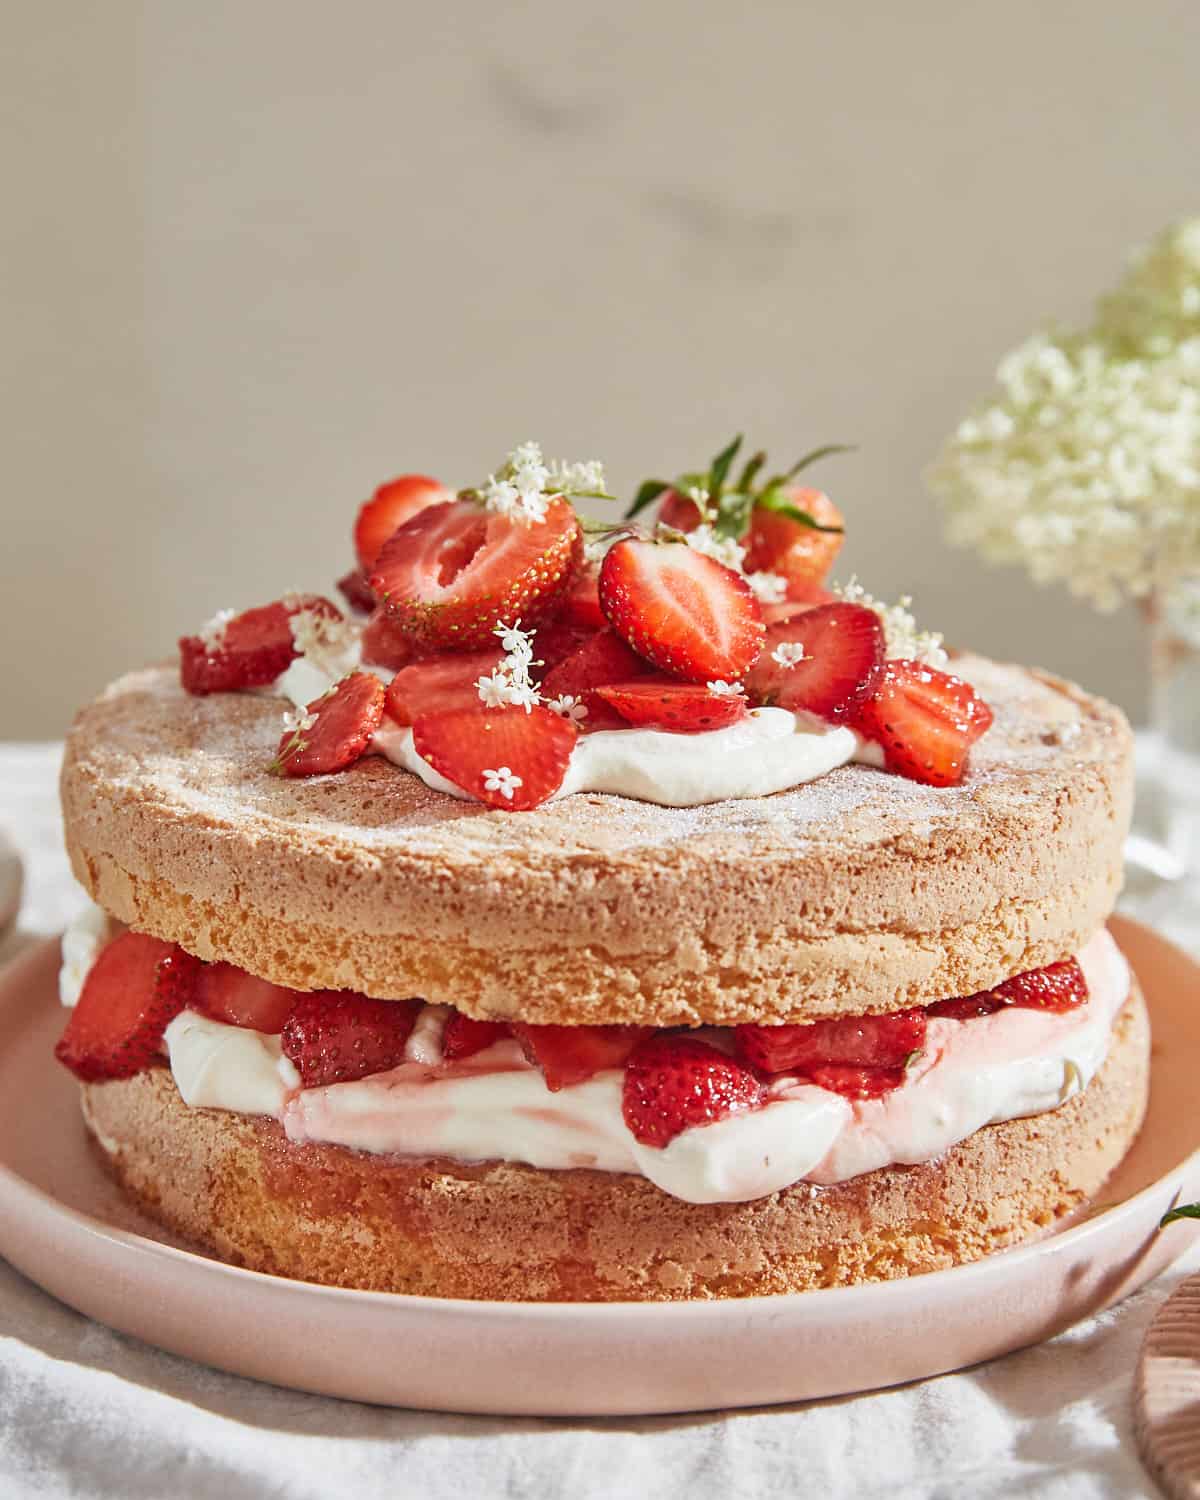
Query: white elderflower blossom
point(502, 780)
point(578, 479)
point(769, 588)
point(788, 654)
point(333, 645)
point(568, 706)
point(901, 635)
point(726, 550)
point(721, 689)
point(298, 721)
point(526, 484)
point(212, 632)
point(510, 682)
point(1085, 464)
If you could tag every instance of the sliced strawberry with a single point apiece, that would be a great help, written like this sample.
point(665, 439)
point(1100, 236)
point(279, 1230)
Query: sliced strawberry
point(681, 610)
point(337, 1036)
point(1057, 987)
point(602, 660)
point(843, 648)
point(384, 644)
point(673, 1083)
point(455, 571)
point(925, 720)
point(677, 707)
point(464, 1036)
point(863, 1041)
point(226, 993)
point(387, 510)
point(555, 640)
point(343, 722)
point(134, 990)
point(1060, 986)
point(776, 543)
point(357, 592)
point(573, 1054)
point(966, 1007)
point(439, 684)
point(581, 602)
point(856, 1083)
point(250, 650)
point(505, 757)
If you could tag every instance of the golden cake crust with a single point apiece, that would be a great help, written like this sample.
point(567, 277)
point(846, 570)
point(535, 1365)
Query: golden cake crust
point(234, 1184)
point(858, 892)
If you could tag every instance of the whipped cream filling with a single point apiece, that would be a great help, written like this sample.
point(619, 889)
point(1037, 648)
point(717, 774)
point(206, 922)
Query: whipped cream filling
point(495, 1105)
point(768, 751)
point(86, 933)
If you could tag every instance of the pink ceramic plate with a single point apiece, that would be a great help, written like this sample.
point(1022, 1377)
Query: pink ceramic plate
point(63, 1225)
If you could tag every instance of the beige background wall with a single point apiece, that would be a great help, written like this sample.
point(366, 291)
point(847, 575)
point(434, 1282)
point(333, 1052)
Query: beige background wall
point(260, 255)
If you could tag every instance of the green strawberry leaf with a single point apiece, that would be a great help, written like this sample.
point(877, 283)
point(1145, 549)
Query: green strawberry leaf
point(1184, 1211)
point(647, 494)
point(719, 471)
point(774, 501)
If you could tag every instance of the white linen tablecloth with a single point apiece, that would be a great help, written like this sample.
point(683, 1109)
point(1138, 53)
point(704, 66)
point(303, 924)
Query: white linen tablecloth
point(87, 1412)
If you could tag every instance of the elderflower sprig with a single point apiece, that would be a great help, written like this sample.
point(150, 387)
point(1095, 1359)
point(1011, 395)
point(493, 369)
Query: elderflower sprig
point(902, 637)
point(510, 683)
point(525, 484)
point(1084, 464)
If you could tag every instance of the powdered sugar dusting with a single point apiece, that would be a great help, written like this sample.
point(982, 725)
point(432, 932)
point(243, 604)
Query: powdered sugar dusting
point(207, 757)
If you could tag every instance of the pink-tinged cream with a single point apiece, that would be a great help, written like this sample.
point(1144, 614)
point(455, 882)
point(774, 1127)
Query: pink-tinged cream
point(495, 1105)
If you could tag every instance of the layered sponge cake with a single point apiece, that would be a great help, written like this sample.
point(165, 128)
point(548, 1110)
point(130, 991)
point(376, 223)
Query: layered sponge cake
point(646, 925)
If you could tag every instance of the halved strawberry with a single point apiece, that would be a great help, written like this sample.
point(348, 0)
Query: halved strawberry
point(673, 1083)
point(854, 1082)
point(250, 650)
point(357, 592)
point(439, 684)
point(776, 543)
point(843, 648)
point(464, 1036)
point(581, 602)
point(342, 723)
point(573, 1054)
point(505, 757)
point(455, 571)
point(862, 1041)
point(337, 1036)
point(223, 992)
point(681, 610)
point(384, 644)
point(134, 990)
point(602, 660)
point(387, 510)
point(677, 707)
point(925, 720)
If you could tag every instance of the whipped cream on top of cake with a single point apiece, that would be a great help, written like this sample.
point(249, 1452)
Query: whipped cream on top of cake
point(495, 1105)
point(768, 751)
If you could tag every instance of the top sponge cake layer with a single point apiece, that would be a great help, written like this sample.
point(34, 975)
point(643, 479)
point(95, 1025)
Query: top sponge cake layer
point(858, 892)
